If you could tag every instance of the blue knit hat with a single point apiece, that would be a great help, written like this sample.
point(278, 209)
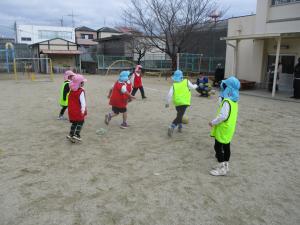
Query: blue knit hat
point(177, 76)
point(231, 89)
point(124, 76)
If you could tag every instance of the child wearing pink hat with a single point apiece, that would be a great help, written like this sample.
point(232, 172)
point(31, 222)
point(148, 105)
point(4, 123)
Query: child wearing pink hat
point(64, 92)
point(77, 107)
point(136, 81)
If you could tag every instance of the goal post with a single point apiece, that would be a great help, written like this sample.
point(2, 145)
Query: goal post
point(34, 69)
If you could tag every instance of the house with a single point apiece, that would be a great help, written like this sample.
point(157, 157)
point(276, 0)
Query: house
point(128, 45)
point(105, 32)
point(85, 37)
point(64, 54)
point(31, 34)
point(270, 37)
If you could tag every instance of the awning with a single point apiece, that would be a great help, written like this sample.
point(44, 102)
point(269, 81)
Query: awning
point(262, 36)
point(61, 52)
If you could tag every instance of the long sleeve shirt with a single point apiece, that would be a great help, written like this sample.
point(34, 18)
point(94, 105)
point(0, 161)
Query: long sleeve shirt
point(171, 91)
point(224, 113)
point(82, 102)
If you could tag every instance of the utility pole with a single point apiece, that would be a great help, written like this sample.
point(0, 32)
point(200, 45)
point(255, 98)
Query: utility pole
point(62, 21)
point(72, 16)
point(214, 16)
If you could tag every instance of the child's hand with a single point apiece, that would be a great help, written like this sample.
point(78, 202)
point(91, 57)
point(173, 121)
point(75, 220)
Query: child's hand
point(167, 105)
point(210, 124)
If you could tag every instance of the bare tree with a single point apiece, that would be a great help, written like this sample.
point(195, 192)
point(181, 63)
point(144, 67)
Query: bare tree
point(169, 23)
point(140, 45)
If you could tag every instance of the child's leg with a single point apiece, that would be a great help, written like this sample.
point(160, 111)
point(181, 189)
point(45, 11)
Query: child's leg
point(219, 151)
point(142, 92)
point(180, 112)
point(226, 148)
point(62, 111)
point(78, 128)
point(73, 129)
point(125, 117)
point(134, 90)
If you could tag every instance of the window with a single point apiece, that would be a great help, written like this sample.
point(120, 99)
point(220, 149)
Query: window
point(25, 38)
point(283, 2)
point(47, 34)
point(87, 36)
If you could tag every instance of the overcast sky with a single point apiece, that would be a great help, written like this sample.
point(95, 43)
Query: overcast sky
point(91, 13)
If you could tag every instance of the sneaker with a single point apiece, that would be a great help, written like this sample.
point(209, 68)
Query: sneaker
point(219, 165)
point(170, 131)
point(221, 171)
point(180, 128)
point(77, 138)
point(107, 119)
point(61, 118)
point(144, 97)
point(70, 138)
point(226, 166)
point(124, 126)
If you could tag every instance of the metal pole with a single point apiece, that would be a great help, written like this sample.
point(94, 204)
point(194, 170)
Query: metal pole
point(178, 67)
point(276, 66)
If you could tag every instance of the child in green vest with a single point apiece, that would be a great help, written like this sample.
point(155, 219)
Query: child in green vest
point(64, 92)
point(223, 126)
point(181, 95)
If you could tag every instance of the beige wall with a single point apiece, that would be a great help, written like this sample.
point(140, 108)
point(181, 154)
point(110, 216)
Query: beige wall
point(58, 44)
point(252, 54)
point(81, 41)
point(63, 60)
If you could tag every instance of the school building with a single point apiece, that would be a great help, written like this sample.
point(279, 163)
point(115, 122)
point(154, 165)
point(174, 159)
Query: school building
point(255, 42)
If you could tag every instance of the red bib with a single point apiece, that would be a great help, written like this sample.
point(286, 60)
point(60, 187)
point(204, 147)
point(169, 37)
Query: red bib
point(74, 107)
point(137, 81)
point(118, 99)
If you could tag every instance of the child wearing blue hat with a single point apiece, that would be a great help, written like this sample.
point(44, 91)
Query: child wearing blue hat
point(119, 95)
point(180, 93)
point(223, 126)
point(204, 86)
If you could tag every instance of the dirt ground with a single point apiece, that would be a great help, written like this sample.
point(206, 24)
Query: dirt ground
point(139, 176)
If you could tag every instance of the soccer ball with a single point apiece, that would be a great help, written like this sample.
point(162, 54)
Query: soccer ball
point(185, 120)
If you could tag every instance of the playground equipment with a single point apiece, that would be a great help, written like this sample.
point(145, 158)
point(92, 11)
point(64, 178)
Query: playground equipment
point(9, 52)
point(33, 69)
point(120, 65)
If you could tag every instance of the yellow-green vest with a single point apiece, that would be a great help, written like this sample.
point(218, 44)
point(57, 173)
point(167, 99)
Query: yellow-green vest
point(181, 93)
point(224, 131)
point(63, 102)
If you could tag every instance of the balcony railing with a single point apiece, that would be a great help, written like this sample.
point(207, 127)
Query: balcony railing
point(283, 2)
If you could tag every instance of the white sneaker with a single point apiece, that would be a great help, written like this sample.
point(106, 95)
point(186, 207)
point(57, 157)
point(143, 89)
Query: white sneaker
point(217, 166)
point(221, 171)
point(226, 166)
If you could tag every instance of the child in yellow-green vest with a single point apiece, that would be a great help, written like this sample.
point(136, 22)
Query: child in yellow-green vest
point(180, 93)
point(223, 126)
point(64, 93)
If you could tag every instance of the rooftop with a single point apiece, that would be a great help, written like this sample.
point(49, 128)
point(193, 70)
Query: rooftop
point(84, 28)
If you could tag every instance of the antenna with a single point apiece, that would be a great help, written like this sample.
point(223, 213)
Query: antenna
point(62, 21)
point(72, 15)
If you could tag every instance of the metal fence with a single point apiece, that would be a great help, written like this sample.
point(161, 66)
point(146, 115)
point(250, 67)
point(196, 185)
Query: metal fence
point(198, 63)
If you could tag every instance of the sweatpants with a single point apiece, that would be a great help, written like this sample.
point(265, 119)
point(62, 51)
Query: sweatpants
point(222, 151)
point(76, 128)
point(62, 111)
point(134, 90)
point(180, 112)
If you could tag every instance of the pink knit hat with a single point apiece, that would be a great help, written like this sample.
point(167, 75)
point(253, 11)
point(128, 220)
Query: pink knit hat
point(76, 81)
point(67, 74)
point(138, 67)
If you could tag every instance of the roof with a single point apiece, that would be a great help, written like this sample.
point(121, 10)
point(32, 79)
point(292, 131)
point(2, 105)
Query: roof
point(61, 52)
point(53, 39)
point(115, 37)
point(108, 30)
point(84, 28)
point(262, 36)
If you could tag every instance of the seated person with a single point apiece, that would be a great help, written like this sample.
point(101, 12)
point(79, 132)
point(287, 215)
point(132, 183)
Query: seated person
point(204, 87)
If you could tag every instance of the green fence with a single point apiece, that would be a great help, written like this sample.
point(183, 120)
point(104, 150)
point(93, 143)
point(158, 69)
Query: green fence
point(198, 63)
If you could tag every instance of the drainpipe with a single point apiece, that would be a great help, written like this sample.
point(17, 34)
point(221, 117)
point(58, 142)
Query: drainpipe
point(276, 66)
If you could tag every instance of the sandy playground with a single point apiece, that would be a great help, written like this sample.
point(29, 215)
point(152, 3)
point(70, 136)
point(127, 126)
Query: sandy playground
point(139, 176)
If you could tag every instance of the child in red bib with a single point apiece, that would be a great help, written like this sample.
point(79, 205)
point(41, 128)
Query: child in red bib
point(119, 96)
point(77, 107)
point(136, 81)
